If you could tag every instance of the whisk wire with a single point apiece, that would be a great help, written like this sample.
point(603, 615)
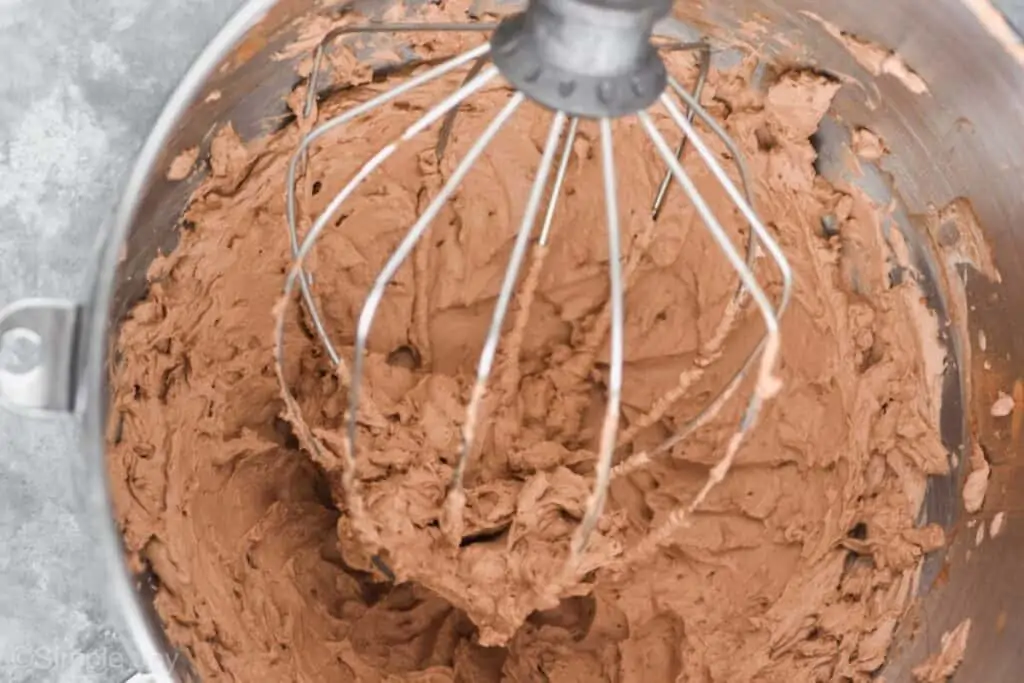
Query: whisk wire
point(349, 481)
point(456, 494)
point(512, 375)
point(717, 231)
point(405, 248)
point(711, 410)
point(742, 200)
point(556, 190)
point(704, 66)
point(410, 27)
point(444, 135)
point(767, 384)
point(299, 156)
point(609, 427)
point(305, 279)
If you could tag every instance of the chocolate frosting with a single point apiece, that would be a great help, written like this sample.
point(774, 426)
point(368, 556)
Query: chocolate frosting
point(797, 567)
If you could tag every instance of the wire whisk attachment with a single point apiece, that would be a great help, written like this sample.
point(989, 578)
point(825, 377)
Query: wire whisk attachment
point(584, 60)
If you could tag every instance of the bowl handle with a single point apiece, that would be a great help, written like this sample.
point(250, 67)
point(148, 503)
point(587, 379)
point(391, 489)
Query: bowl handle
point(38, 356)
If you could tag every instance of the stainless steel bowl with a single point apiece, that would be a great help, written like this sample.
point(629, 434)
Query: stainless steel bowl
point(965, 138)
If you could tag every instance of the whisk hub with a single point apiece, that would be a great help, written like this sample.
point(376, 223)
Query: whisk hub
point(589, 58)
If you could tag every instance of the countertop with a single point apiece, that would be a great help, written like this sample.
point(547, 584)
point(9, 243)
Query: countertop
point(81, 82)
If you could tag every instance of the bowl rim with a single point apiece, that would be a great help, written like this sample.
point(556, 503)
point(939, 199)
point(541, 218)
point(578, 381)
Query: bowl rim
point(137, 624)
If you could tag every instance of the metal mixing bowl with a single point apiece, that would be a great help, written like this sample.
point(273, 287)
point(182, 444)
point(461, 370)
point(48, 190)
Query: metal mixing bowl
point(962, 139)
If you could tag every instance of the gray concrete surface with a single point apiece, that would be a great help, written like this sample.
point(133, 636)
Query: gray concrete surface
point(80, 83)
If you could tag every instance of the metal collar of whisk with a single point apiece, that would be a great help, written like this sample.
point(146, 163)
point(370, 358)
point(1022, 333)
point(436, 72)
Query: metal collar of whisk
point(589, 58)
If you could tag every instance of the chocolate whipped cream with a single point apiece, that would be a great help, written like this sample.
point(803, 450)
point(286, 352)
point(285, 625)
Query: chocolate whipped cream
point(797, 567)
